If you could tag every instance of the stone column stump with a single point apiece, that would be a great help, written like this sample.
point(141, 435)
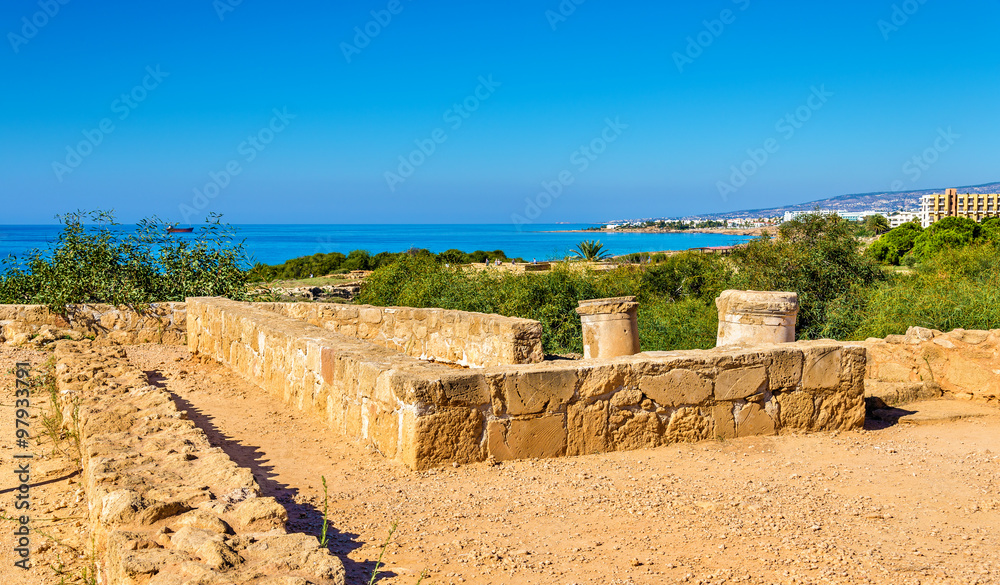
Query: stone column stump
point(748, 317)
point(610, 327)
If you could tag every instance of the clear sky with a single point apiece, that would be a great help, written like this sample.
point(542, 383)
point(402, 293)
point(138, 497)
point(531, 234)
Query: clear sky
point(440, 111)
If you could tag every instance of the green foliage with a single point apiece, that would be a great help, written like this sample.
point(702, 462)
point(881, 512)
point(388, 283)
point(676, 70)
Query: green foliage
point(550, 297)
point(815, 256)
point(947, 232)
point(101, 264)
point(894, 245)
point(337, 263)
point(876, 224)
point(590, 250)
point(957, 288)
point(685, 324)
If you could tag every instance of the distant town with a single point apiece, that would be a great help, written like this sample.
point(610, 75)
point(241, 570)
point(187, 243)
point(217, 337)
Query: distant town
point(976, 202)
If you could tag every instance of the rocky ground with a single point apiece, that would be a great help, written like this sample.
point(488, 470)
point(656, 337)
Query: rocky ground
point(902, 504)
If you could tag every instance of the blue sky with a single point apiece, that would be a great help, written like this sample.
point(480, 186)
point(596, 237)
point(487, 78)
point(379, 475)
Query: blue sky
point(284, 113)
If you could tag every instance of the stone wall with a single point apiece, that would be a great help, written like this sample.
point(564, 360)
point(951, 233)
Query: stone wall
point(926, 363)
point(165, 507)
point(160, 323)
point(458, 337)
point(426, 414)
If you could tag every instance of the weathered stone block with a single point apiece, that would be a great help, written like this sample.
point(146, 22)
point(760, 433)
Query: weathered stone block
point(538, 390)
point(796, 410)
point(677, 387)
point(540, 437)
point(741, 383)
point(752, 420)
point(587, 428)
point(822, 367)
point(635, 430)
point(688, 425)
point(725, 423)
point(448, 435)
point(785, 369)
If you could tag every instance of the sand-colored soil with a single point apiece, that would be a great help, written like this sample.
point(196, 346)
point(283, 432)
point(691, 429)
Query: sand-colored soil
point(902, 504)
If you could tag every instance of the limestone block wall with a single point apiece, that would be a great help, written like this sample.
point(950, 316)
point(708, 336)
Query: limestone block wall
point(166, 507)
point(426, 414)
point(925, 363)
point(159, 323)
point(469, 339)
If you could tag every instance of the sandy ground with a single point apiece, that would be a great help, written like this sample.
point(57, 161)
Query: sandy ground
point(60, 545)
point(902, 504)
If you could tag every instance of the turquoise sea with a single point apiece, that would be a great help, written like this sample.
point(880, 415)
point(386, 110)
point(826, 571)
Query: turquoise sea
point(273, 244)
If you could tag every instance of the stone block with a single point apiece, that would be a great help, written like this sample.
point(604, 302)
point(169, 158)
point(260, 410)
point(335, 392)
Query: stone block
point(677, 387)
point(448, 435)
point(785, 369)
point(538, 390)
point(634, 430)
point(725, 423)
point(383, 428)
point(688, 425)
point(464, 390)
point(540, 437)
point(822, 366)
point(741, 383)
point(752, 420)
point(795, 411)
point(587, 428)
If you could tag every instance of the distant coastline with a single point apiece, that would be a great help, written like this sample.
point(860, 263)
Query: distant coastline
point(748, 232)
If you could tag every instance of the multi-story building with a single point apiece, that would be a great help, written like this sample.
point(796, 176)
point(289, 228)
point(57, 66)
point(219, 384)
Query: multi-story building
point(976, 206)
point(898, 218)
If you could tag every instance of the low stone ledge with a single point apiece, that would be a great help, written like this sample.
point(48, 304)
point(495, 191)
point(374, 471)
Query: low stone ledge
point(425, 414)
point(106, 324)
point(165, 507)
point(470, 339)
point(926, 363)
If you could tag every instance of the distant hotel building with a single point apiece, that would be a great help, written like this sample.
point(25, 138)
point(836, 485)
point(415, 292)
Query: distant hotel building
point(975, 206)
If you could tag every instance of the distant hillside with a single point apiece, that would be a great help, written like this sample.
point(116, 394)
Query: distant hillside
point(883, 200)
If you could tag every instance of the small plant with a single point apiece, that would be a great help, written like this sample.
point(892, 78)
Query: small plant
point(326, 509)
point(378, 563)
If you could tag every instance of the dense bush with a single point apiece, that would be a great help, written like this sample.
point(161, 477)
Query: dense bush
point(894, 245)
point(959, 287)
point(100, 263)
point(947, 232)
point(337, 263)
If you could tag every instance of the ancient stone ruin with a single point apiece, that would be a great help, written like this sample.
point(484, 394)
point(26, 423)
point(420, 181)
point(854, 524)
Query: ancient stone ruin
point(431, 387)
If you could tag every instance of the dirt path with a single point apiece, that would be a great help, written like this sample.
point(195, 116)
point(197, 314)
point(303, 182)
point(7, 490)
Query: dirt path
point(902, 505)
point(59, 542)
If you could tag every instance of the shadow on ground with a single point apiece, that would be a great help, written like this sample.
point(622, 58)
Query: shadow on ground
point(302, 516)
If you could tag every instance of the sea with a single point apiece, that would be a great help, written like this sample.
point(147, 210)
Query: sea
point(274, 244)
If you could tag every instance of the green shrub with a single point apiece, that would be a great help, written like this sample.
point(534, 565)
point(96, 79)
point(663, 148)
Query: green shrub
point(894, 245)
point(100, 264)
point(947, 232)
